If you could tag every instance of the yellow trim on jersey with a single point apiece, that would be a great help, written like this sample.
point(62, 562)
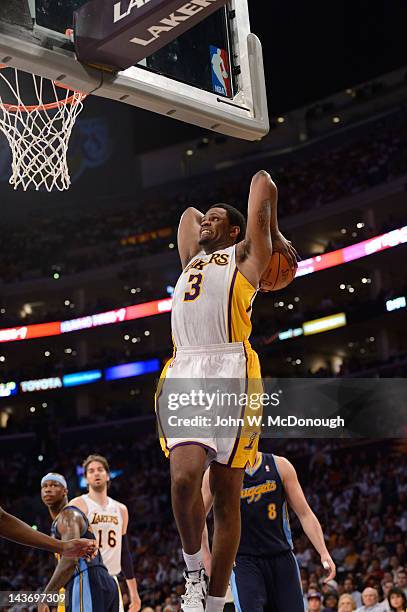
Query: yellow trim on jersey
point(81, 592)
point(240, 325)
point(245, 450)
point(250, 470)
point(61, 605)
point(163, 440)
point(121, 604)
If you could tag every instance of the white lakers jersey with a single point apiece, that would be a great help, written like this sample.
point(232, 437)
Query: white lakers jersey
point(212, 301)
point(106, 523)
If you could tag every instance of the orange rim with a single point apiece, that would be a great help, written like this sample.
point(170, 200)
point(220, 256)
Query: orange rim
point(12, 108)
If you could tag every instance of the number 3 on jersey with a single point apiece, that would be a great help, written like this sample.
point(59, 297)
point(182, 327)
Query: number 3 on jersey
point(195, 282)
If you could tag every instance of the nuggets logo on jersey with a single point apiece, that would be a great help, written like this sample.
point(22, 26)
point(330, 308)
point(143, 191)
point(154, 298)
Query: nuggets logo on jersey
point(253, 494)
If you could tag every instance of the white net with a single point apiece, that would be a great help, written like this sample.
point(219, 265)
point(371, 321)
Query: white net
point(38, 133)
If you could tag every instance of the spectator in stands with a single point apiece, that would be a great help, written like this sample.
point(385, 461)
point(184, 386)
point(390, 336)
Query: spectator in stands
point(314, 602)
point(387, 585)
point(397, 600)
point(401, 581)
point(370, 599)
point(330, 602)
point(346, 603)
point(350, 589)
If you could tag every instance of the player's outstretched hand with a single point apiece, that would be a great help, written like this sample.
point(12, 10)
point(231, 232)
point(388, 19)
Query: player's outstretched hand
point(329, 566)
point(80, 547)
point(280, 244)
point(42, 607)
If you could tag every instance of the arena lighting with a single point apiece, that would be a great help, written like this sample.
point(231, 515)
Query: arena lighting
point(396, 303)
point(41, 384)
point(137, 368)
point(290, 333)
point(148, 309)
point(8, 388)
point(355, 251)
point(325, 324)
point(81, 378)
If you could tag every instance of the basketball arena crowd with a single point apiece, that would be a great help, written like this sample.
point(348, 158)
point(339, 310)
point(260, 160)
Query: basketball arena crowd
point(358, 490)
point(75, 239)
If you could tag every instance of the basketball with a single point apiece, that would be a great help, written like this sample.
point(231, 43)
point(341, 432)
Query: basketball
point(278, 274)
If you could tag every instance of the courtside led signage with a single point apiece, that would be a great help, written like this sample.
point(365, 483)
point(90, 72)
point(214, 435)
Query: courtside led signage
point(149, 309)
point(396, 303)
point(290, 333)
point(8, 388)
point(325, 324)
point(40, 384)
point(137, 368)
point(81, 378)
point(355, 251)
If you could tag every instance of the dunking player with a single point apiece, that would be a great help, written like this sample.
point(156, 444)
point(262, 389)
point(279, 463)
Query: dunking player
point(11, 528)
point(222, 265)
point(108, 519)
point(87, 584)
point(265, 576)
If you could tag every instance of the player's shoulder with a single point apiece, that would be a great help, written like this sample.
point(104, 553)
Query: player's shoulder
point(79, 502)
point(284, 466)
point(71, 513)
point(123, 508)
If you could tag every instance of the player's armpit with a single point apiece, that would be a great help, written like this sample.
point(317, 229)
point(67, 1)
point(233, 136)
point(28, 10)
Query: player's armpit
point(188, 234)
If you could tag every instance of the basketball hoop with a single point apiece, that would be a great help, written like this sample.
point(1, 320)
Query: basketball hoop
point(39, 133)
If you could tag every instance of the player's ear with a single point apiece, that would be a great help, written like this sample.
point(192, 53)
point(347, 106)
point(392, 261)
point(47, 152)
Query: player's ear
point(234, 231)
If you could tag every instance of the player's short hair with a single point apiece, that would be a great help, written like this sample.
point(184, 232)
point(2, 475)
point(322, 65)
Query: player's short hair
point(235, 218)
point(98, 458)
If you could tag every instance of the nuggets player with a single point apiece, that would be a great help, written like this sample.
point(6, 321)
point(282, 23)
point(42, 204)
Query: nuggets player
point(222, 266)
point(265, 576)
point(108, 519)
point(87, 583)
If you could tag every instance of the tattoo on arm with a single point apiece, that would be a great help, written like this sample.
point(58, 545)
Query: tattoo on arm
point(263, 216)
point(69, 526)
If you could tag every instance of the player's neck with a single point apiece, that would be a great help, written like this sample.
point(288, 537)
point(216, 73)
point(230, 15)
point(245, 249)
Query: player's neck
point(56, 508)
point(100, 497)
point(212, 248)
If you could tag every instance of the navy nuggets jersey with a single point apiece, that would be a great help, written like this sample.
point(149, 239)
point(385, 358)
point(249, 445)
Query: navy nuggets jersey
point(265, 523)
point(90, 589)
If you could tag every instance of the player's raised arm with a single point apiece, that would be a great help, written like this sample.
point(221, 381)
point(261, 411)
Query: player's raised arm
point(253, 254)
point(262, 235)
point(309, 522)
point(188, 234)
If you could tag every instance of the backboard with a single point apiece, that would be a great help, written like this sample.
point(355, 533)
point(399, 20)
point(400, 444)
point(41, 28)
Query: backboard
point(211, 76)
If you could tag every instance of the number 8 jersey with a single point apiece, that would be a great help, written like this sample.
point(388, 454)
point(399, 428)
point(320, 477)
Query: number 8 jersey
point(212, 301)
point(106, 523)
